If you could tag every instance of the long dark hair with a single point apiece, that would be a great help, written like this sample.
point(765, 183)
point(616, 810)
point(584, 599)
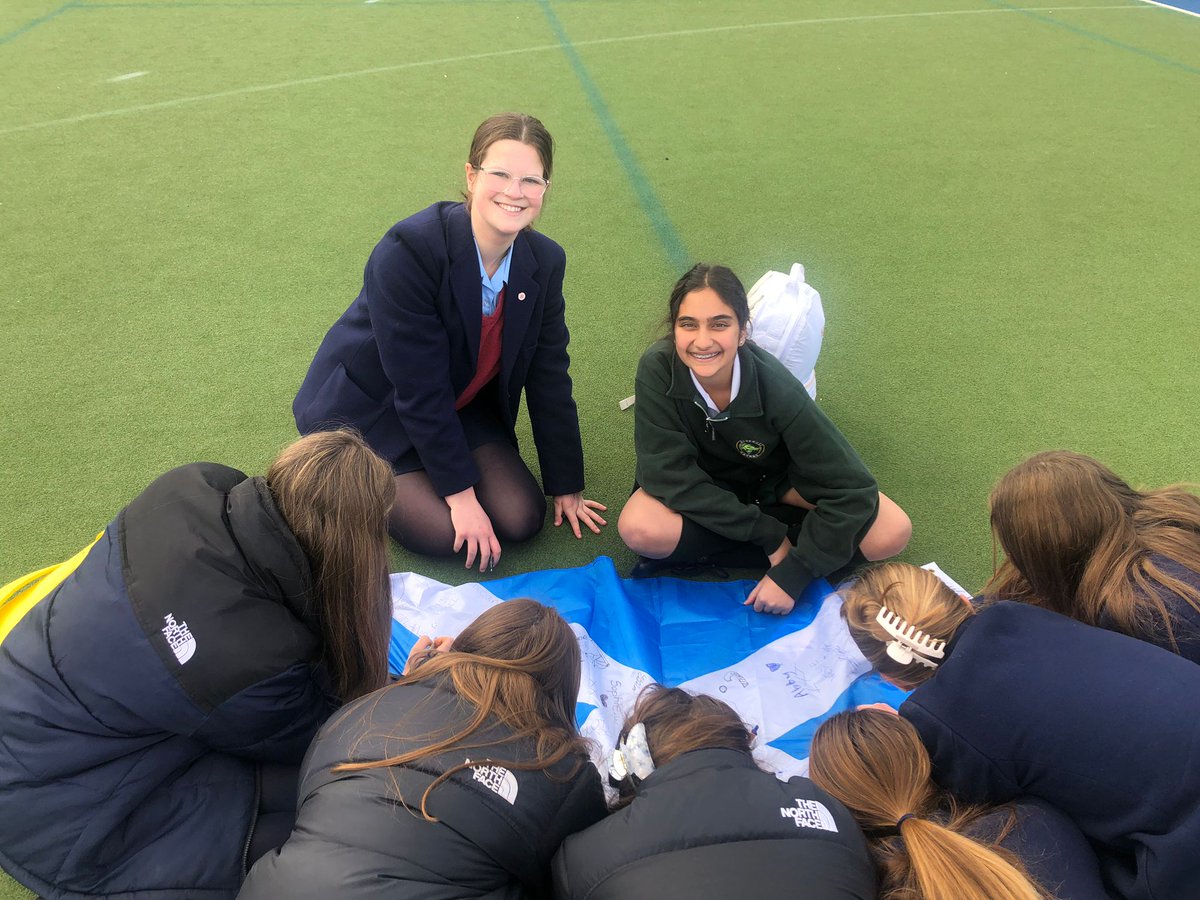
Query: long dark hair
point(874, 762)
point(1080, 541)
point(335, 494)
point(516, 665)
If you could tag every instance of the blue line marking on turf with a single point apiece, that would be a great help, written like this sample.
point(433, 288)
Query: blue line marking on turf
point(28, 26)
point(673, 245)
point(1102, 38)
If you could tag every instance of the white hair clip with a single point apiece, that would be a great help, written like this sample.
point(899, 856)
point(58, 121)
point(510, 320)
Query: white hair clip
point(910, 644)
point(632, 756)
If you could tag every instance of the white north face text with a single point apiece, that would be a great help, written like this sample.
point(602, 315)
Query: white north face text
point(809, 814)
point(498, 779)
point(179, 638)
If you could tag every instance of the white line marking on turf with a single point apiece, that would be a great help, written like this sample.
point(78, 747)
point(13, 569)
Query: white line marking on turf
point(538, 48)
point(1186, 12)
point(126, 77)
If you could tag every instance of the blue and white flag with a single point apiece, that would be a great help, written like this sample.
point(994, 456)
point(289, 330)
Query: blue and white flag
point(784, 674)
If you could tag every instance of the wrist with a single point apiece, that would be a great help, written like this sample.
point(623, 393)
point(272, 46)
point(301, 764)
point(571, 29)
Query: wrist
point(792, 575)
point(462, 497)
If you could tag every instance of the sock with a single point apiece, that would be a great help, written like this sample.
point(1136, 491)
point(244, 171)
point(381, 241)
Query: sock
point(857, 561)
point(698, 543)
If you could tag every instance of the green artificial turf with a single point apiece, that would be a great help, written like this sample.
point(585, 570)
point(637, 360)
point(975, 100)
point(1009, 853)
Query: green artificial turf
point(999, 208)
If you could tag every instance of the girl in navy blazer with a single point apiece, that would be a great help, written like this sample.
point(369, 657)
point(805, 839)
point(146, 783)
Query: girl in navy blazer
point(1014, 701)
point(928, 844)
point(461, 309)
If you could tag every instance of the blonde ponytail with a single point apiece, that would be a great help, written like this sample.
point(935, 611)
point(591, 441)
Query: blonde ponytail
point(874, 762)
point(947, 865)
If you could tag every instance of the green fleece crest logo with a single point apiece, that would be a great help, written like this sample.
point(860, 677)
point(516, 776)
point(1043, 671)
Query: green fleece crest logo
point(750, 449)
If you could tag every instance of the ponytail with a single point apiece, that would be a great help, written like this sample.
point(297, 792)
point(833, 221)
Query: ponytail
point(874, 763)
point(947, 865)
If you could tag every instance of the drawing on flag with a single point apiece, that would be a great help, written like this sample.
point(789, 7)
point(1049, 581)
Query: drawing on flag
point(785, 674)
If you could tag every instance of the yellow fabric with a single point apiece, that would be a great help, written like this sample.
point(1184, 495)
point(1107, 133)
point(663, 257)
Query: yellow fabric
point(20, 596)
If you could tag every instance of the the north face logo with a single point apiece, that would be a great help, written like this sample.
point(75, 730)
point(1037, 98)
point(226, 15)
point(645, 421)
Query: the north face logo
point(497, 779)
point(179, 639)
point(809, 814)
point(750, 449)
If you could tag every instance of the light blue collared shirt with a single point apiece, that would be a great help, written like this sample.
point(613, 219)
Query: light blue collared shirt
point(734, 386)
point(493, 285)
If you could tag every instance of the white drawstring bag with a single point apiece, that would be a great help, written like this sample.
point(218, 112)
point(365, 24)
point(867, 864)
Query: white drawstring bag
point(788, 321)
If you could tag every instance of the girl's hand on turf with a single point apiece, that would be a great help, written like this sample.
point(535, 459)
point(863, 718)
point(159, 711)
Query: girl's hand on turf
point(473, 529)
point(575, 509)
point(769, 597)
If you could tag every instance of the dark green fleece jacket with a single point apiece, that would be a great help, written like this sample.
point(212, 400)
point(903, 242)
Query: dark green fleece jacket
point(770, 437)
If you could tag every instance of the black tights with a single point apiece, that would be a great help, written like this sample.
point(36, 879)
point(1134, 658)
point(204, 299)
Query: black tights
point(507, 491)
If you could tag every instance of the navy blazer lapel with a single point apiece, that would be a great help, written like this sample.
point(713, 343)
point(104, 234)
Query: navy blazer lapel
point(520, 296)
point(465, 283)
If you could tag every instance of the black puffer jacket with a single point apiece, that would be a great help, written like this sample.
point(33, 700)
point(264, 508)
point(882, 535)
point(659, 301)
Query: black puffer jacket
point(497, 828)
point(140, 694)
point(711, 824)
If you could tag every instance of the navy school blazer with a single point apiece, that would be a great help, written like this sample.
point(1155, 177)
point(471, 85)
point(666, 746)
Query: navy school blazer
point(1102, 726)
point(395, 361)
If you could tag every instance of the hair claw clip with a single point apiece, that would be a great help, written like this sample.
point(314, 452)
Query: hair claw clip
point(910, 644)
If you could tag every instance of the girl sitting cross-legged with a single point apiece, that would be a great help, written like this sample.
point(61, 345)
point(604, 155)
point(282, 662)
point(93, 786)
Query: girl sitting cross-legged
point(731, 449)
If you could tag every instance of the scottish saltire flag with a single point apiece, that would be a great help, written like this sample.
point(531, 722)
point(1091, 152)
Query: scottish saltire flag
point(785, 674)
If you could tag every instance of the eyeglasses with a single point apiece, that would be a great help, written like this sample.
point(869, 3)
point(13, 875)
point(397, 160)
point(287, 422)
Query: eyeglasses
point(532, 186)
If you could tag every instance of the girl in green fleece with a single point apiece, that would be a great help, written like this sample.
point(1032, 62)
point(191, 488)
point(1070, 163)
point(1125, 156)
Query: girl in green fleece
point(731, 450)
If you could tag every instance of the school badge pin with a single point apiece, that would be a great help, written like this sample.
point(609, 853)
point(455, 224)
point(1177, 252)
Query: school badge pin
point(750, 449)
